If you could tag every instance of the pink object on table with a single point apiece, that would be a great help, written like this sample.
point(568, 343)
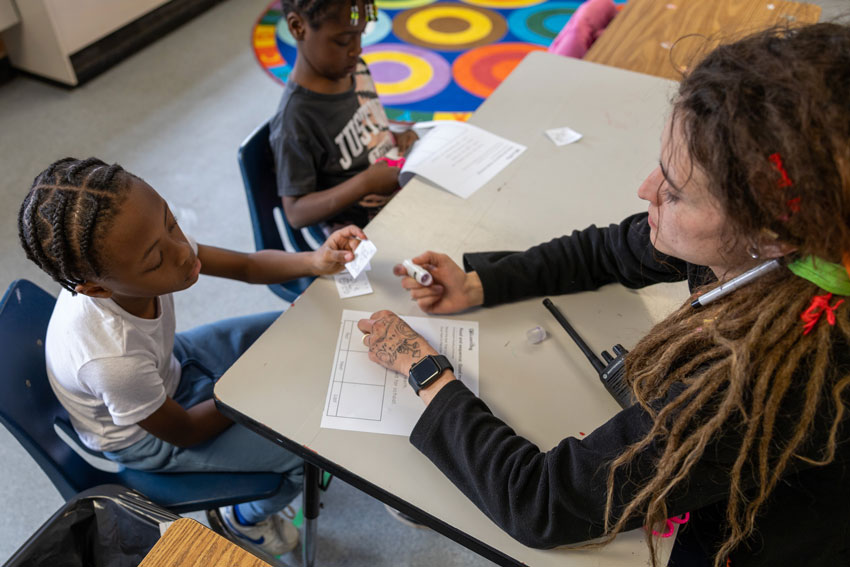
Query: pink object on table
point(583, 28)
point(399, 163)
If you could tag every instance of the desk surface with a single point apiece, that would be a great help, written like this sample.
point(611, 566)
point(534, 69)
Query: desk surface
point(186, 543)
point(546, 391)
point(649, 36)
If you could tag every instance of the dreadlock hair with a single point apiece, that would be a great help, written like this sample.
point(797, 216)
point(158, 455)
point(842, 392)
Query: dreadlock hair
point(315, 11)
point(742, 363)
point(68, 209)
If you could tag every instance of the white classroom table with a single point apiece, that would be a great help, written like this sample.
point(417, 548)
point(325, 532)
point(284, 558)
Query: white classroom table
point(546, 391)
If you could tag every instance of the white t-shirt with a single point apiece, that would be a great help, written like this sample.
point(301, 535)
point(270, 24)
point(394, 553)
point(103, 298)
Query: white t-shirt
point(110, 369)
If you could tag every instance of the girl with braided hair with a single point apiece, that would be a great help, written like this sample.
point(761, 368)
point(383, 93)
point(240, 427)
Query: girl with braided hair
point(740, 420)
point(330, 135)
point(134, 389)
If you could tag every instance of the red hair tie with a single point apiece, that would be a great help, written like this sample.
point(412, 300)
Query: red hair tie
point(793, 204)
point(818, 306)
point(776, 160)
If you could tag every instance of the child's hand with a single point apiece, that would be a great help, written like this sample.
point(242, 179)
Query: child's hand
point(337, 250)
point(381, 178)
point(405, 140)
point(453, 290)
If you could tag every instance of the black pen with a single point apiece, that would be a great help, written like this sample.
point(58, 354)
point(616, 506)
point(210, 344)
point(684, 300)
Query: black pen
point(736, 282)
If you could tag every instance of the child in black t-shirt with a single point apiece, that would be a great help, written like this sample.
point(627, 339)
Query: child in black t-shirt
point(330, 128)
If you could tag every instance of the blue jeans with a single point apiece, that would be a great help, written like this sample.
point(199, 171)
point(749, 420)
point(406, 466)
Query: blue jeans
point(205, 353)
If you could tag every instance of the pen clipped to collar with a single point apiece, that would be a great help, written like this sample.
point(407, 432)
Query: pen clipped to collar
point(736, 283)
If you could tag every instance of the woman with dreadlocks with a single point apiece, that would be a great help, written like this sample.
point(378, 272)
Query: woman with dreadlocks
point(739, 422)
point(136, 390)
point(330, 135)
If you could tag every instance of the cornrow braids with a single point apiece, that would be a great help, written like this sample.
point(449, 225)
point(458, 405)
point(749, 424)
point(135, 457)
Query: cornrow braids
point(314, 11)
point(68, 208)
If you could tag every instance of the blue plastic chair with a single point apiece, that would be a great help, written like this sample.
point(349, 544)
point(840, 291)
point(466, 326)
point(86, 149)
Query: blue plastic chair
point(31, 412)
point(271, 229)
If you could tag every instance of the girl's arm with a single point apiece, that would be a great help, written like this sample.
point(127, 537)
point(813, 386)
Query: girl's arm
point(317, 206)
point(275, 266)
point(185, 427)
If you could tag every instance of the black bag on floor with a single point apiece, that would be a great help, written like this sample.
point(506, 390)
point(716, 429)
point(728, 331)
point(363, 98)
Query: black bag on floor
point(106, 526)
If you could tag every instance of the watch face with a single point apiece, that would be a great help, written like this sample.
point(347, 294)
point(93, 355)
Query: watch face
point(424, 371)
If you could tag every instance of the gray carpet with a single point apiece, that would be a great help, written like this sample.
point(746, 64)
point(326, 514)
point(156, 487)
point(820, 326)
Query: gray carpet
point(175, 114)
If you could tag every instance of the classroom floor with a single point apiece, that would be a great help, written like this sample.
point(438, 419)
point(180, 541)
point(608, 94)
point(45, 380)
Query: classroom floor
point(175, 114)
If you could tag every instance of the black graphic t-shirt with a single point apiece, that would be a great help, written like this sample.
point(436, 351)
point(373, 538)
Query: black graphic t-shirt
point(321, 140)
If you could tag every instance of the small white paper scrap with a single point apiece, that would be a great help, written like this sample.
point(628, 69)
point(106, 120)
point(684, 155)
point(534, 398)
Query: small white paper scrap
point(563, 136)
point(352, 287)
point(362, 254)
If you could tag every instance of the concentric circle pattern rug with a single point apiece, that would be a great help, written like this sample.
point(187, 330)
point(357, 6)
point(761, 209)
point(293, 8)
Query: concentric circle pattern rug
point(433, 59)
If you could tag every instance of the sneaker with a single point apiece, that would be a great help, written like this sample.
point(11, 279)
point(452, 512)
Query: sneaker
point(403, 518)
point(275, 535)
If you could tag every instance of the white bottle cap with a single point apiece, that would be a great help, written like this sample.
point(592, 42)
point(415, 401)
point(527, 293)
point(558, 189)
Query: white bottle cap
point(535, 335)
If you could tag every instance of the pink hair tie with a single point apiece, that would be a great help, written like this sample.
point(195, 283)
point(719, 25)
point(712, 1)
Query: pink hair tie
point(683, 519)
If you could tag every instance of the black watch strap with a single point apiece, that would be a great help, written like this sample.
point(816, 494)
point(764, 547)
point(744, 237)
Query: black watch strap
point(427, 370)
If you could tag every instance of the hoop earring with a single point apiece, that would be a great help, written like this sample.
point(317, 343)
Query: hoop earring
point(753, 251)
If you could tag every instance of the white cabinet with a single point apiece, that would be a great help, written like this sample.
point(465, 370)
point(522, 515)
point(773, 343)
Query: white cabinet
point(50, 32)
point(8, 14)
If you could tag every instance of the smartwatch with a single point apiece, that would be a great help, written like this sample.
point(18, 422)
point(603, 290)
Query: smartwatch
point(424, 372)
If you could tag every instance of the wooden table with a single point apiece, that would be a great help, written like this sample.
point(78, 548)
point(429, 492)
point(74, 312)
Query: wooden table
point(186, 543)
point(546, 391)
point(662, 37)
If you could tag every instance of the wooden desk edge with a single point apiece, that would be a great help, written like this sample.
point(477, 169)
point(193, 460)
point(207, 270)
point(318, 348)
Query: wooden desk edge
point(187, 543)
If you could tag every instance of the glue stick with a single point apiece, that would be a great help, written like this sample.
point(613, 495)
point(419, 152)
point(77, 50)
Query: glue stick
point(418, 273)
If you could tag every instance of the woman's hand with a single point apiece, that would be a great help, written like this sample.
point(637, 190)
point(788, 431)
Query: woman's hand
point(337, 250)
point(453, 290)
point(404, 141)
point(392, 343)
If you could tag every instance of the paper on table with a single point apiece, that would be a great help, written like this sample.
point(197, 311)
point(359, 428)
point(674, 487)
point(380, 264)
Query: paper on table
point(563, 136)
point(352, 287)
point(459, 157)
point(363, 396)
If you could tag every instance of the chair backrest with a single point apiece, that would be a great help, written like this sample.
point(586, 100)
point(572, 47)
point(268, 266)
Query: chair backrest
point(256, 163)
point(32, 413)
point(28, 407)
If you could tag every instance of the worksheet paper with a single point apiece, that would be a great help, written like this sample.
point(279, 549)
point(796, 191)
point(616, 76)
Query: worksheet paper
point(363, 396)
point(459, 157)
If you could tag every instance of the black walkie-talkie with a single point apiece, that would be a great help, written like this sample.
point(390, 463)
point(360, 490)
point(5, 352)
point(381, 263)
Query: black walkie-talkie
point(612, 371)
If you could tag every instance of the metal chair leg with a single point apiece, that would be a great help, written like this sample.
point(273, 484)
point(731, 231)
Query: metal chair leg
point(311, 514)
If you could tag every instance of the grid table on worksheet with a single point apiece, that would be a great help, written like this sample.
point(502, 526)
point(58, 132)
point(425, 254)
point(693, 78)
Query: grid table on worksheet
point(358, 385)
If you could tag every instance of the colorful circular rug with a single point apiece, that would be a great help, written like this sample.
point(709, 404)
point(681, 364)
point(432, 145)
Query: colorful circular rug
point(433, 59)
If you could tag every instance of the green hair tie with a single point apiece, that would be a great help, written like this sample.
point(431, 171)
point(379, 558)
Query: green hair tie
point(826, 275)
